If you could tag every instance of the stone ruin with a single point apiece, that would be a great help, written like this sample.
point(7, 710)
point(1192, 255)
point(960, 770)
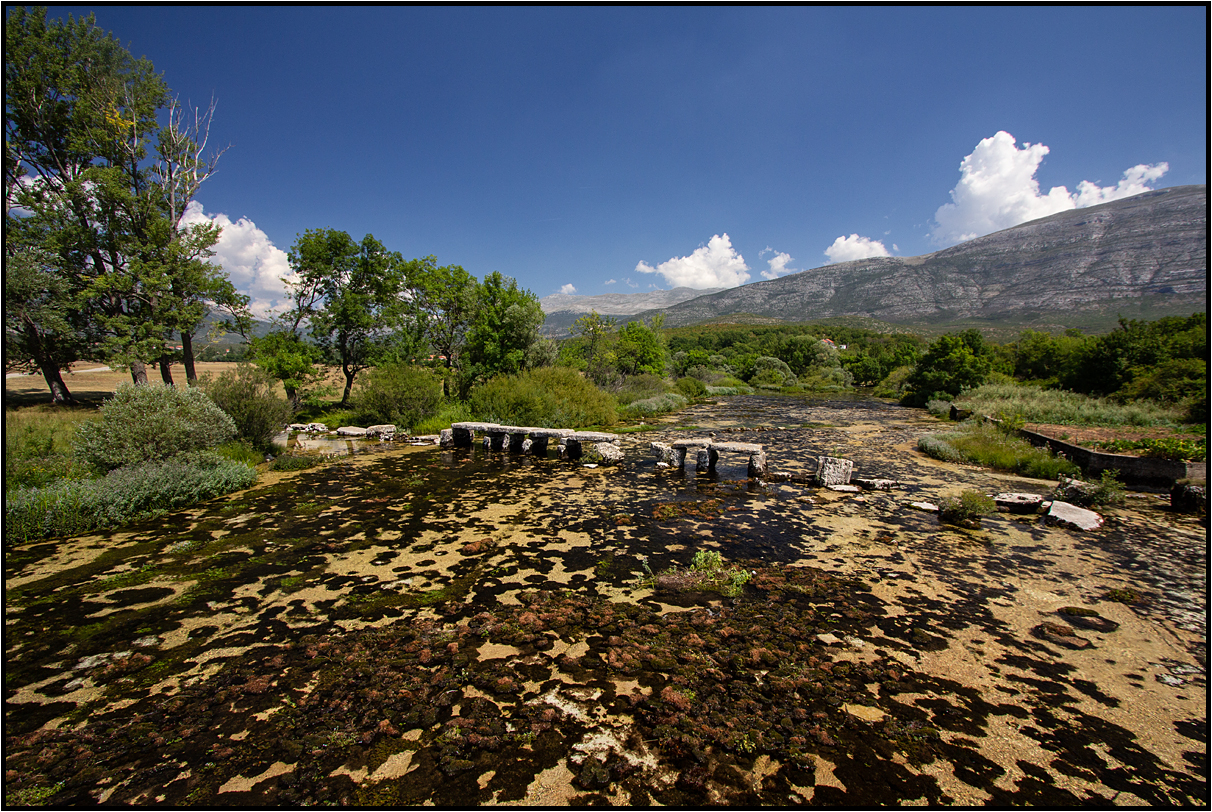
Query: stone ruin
point(597, 446)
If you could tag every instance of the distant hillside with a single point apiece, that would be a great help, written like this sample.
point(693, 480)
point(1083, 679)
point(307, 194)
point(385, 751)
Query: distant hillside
point(1144, 256)
point(563, 309)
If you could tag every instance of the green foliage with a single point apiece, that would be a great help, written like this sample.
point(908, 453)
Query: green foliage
point(639, 350)
point(145, 422)
point(1168, 448)
point(1107, 491)
point(692, 388)
point(658, 404)
point(551, 397)
point(399, 394)
point(288, 358)
point(241, 451)
point(506, 324)
point(639, 387)
point(939, 408)
point(296, 462)
point(965, 510)
point(450, 412)
point(246, 394)
point(38, 446)
point(1036, 405)
point(124, 495)
point(984, 444)
point(771, 371)
point(952, 364)
point(1107, 364)
point(894, 383)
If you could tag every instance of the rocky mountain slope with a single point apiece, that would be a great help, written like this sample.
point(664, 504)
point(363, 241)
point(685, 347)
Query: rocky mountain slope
point(1151, 248)
point(563, 309)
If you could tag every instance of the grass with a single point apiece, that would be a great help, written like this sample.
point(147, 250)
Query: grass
point(1057, 406)
point(38, 446)
point(985, 444)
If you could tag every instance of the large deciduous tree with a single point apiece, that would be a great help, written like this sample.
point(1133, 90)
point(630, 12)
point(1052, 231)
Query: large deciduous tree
point(505, 326)
point(98, 182)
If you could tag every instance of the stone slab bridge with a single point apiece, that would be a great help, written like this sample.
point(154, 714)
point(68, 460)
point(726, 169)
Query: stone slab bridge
point(707, 453)
point(571, 445)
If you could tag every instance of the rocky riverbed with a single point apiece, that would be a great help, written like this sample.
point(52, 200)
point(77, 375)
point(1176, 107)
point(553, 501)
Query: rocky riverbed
point(416, 626)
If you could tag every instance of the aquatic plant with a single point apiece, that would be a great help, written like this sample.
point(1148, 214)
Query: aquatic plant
point(965, 510)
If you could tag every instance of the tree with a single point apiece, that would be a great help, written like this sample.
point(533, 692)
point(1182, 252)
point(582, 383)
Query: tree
point(285, 356)
point(506, 323)
point(351, 294)
point(953, 363)
point(591, 347)
point(80, 117)
point(444, 298)
point(639, 350)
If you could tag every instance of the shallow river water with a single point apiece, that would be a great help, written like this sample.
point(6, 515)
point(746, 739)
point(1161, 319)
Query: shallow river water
point(410, 625)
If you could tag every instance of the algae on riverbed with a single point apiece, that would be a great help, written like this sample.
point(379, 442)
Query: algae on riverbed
point(423, 626)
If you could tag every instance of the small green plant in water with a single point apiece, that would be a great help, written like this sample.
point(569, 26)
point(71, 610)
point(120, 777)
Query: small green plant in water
point(965, 510)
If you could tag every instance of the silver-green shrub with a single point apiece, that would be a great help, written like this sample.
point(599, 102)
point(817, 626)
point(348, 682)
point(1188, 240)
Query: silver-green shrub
point(149, 422)
point(247, 395)
point(70, 507)
point(668, 402)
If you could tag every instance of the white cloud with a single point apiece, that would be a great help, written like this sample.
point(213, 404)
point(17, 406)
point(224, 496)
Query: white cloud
point(845, 249)
point(714, 265)
point(252, 262)
point(568, 289)
point(610, 281)
point(998, 190)
point(778, 263)
point(1134, 182)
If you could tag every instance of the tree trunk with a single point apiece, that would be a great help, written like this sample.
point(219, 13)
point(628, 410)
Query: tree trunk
point(138, 372)
point(349, 379)
point(58, 389)
point(187, 353)
point(166, 370)
point(292, 395)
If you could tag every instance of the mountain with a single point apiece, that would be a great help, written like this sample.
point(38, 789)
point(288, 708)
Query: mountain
point(1142, 255)
point(563, 309)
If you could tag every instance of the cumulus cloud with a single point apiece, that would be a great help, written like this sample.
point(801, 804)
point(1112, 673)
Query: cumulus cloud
point(845, 249)
point(714, 265)
point(252, 262)
point(568, 289)
point(778, 263)
point(998, 190)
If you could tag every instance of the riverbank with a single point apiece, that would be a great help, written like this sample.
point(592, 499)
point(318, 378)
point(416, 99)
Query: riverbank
point(463, 627)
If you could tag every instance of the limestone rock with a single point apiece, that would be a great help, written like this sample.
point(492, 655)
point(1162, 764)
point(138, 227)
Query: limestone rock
point(1019, 502)
point(446, 438)
point(833, 471)
point(876, 484)
point(609, 453)
point(1072, 516)
point(929, 507)
point(351, 431)
point(384, 431)
point(845, 488)
point(308, 428)
point(664, 453)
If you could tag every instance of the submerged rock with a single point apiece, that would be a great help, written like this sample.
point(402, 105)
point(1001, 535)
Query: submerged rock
point(1072, 516)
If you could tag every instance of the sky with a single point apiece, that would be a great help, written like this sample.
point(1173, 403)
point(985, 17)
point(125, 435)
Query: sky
point(596, 149)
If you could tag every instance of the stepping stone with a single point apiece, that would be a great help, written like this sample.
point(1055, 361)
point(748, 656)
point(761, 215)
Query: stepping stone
point(1019, 502)
point(926, 506)
point(845, 488)
point(876, 484)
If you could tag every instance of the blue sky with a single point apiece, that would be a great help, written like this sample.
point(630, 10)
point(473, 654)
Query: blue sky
point(569, 147)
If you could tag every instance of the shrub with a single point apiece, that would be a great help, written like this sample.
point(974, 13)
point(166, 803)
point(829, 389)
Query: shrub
point(149, 422)
point(124, 495)
point(965, 510)
point(893, 386)
point(1035, 405)
point(639, 387)
point(985, 444)
point(691, 387)
point(550, 397)
point(661, 404)
point(1107, 491)
point(399, 394)
point(768, 371)
point(939, 408)
point(296, 462)
point(451, 412)
point(241, 451)
point(246, 393)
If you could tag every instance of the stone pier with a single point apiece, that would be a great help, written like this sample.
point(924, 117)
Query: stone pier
point(532, 440)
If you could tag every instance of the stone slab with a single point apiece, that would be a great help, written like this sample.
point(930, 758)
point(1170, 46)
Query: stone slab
point(742, 448)
point(351, 431)
point(594, 437)
point(471, 426)
point(1019, 502)
point(1072, 516)
point(876, 484)
point(845, 488)
point(929, 507)
point(833, 470)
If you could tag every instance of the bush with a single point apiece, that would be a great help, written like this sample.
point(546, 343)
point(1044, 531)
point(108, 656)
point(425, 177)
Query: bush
point(399, 394)
point(451, 412)
point(550, 397)
point(149, 423)
point(691, 387)
point(296, 462)
point(966, 510)
point(1037, 405)
point(661, 404)
point(893, 386)
point(769, 371)
point(639, 387)
point(939, 408)
point(246, 393)
point(124, 495)
point(936, 446)
point(1107, 491)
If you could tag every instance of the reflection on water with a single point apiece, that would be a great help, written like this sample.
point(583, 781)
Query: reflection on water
point(324, 443)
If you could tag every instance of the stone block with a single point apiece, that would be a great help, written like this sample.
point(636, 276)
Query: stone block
point(1019, 502)
point(757, 464)
point(609, 453)
point(663, 452)
point(833, 471)
point(351, 431)
point(446, 438)
point(702, 461)
point(385, 431)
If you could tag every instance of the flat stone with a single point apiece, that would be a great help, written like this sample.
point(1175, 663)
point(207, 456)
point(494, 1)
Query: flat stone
point(691, 442)
point(1072, 516)
point(1019, 502)
point(446, 438)
point(742, 448)
point(876, 484)
point(609, 452)
point(926, 506)
point(558, 433)
point(471, 426)
point(384, 430)
point(829, 639)
point(594, 437)
point(351, 431)
point(845, 488)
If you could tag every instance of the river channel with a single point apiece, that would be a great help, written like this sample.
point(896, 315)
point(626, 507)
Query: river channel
point(410, 625)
